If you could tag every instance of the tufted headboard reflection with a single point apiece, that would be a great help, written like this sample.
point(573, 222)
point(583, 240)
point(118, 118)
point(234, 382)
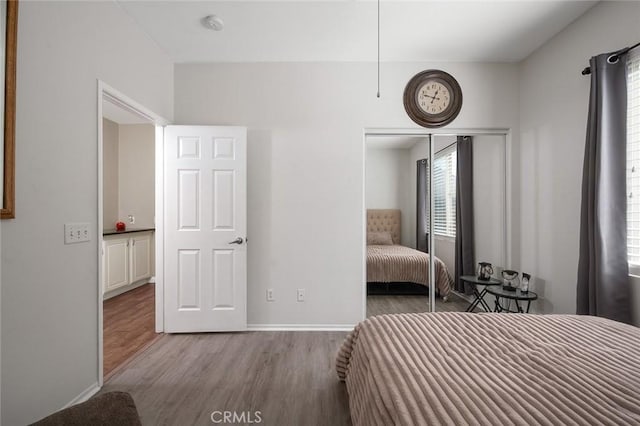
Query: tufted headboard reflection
point(384, 220)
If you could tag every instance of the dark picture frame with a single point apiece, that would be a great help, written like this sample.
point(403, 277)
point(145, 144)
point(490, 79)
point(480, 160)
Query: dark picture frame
point(10, 52)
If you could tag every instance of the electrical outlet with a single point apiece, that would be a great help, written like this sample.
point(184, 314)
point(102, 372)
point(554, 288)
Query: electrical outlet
point(132, 219)
point(270, 297)
point(301, 295)
point(76, 233)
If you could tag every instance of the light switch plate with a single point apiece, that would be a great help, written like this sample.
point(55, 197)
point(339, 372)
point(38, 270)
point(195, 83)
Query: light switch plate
point(76, 233)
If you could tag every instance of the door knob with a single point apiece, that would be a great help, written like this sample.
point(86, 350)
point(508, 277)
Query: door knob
point(238, 240)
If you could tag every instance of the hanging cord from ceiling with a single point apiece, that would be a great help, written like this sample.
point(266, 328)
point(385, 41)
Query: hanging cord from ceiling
point(378, 93)
point(613, 57)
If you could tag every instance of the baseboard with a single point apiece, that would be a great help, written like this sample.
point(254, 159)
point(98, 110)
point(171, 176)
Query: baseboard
point(120, 290)
point(300, 327)
point(84, 395)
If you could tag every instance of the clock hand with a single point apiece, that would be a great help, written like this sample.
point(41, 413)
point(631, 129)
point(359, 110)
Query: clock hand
point(433, 98)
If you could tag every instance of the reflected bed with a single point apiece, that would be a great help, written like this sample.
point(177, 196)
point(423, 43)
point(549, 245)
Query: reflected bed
point(390, 262)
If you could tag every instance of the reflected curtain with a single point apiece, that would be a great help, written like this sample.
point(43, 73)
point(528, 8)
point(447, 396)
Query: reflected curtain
point(422, 206)
point(603, 287)
point(465, 234)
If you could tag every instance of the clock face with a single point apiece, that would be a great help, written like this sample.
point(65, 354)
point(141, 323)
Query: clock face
point(433, 97)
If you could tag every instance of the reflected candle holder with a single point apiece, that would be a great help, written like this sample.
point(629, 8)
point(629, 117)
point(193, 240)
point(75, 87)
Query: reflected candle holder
point(510, 280)
point(484, 271)
point(526, 278)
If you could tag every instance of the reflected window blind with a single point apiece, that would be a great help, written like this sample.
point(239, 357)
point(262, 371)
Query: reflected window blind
point(444, 192)
point(633, 158)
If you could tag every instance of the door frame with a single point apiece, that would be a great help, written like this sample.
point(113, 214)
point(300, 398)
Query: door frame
point(429, 133)
point(106, 92)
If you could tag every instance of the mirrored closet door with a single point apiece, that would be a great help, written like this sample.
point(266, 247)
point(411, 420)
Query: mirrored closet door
point(468, 211)
point(440, 200)
point(397, 278)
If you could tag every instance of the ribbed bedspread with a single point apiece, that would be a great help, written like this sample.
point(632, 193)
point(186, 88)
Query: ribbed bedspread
point(491, 369)
point(387, 264)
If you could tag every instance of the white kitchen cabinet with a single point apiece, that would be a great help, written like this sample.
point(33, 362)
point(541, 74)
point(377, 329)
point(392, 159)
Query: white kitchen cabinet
point(140, 248)
point(126, 259)
point(116, 263)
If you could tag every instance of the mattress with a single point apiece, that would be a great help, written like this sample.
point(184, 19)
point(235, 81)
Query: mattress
point(455, 368)
point(395, 263)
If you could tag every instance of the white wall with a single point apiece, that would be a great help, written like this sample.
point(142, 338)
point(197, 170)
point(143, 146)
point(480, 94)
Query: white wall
point(50, 290)
point(489, 179)
point(129, 174)
point(110, 138)
point(136, 165)
point(553, 109)
point(387, 185)
point(305, 165)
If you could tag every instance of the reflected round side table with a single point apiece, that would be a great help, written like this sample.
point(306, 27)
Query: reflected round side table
point(517, 295)
point(479, 300)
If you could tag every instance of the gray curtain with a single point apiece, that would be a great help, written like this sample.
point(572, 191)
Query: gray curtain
point(465, 240)
point(422, 206)
point(603, 287)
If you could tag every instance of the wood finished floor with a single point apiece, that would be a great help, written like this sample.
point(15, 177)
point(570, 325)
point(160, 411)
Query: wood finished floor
point(128, 325)
point(288, 376)
point(386, 304)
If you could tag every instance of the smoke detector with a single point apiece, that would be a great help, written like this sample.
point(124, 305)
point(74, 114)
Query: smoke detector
point(212, 22)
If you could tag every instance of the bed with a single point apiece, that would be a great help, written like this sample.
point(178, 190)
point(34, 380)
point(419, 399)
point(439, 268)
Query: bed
point(390, 262)
point(453, 368)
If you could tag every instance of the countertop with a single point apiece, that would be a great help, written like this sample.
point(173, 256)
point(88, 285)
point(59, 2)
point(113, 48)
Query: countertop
point(126, 231)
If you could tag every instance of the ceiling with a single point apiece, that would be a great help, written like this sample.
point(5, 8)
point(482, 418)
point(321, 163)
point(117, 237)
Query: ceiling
point(346, 30)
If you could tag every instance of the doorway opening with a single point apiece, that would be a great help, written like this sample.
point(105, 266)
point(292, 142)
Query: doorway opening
point(129, 229)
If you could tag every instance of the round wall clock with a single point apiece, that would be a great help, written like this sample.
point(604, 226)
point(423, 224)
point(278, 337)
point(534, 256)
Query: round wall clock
point(432, 98)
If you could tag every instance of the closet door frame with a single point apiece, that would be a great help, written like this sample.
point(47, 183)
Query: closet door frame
point(429, 134)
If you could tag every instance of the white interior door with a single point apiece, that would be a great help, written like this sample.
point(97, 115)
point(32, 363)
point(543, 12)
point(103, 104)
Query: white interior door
point(205, 254)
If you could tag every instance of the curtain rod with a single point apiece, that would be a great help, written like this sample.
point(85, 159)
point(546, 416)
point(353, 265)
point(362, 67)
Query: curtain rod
point(614, 55)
